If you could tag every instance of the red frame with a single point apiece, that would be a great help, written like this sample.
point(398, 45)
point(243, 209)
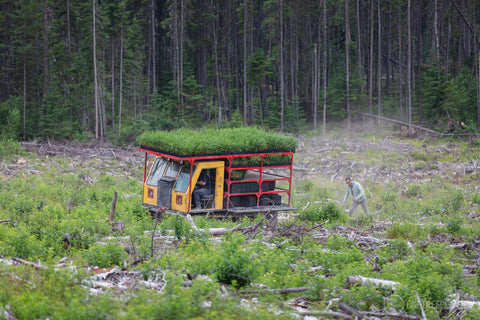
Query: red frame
point(228, 167)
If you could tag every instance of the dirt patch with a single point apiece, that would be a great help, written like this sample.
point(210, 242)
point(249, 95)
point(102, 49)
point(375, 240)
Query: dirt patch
point(83, 150)
point(395, 161)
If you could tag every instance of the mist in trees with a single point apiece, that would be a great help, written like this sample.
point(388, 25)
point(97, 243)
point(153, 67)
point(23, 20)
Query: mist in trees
point(111, 69)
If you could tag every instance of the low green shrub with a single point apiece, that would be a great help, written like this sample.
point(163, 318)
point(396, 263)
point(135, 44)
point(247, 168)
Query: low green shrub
point(472, 314)
point(406, 231)
point(445, 202)
point(396, 249)
point(433, 281)
point(9, 149)
point(421, 155)
point(104, 256)
point(413, 191)
point(476, 198)
point(454, 224)
point(19, 242)
point(453, 201)
point(274, 267)
point(430, 209)
point(322, 212)
point(389, 196)
point(365, 297)
point(233, 263)
point(178, 224)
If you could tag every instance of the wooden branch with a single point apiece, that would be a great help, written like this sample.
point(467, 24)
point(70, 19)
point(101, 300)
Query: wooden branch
point(327, 314)
point(350, 310)
point(28, 263)
point(318, 225)
point(465, 19)
point(402, 123)
point(251, 229)
point(400, 316)
point(281, 291)
point(192, 223)
point(7, 221)
point(424, 317)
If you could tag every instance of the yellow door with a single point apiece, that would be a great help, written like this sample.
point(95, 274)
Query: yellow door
point(182, 196)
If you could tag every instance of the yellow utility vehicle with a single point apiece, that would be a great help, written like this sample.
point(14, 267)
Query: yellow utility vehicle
point(233, 183)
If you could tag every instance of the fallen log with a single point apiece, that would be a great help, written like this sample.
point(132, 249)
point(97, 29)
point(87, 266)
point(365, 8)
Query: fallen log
point(351, 280)
point(326, 314)
point(400, 316)
point(345, 308)
point(28, 263)
point(402, 123)
point(211, 231)
point(7, 221)
point(280, 291)
point(456, 303)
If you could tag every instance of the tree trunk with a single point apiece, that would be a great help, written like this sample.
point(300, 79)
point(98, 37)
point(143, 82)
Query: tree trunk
point(282, 85)
point(217, 71)
point(347, 65)
point(95, 74)
point(45, 66)
point(245, 22)
point(294, 62)
point(409, 64)
point(447, 41)
point(359, 48)
point(400, 69)
point(113, 83)
point(69, 49)
point(120, 89)
point(370, 62)
point(419, 59)
point(314, 85)
point(180, 64)
point(379, 57)
point(435, 29)
point(324, 66)
point(154, 51)
point(477, 58)
point(388, 47)
point(24, 96)
point(103, 112)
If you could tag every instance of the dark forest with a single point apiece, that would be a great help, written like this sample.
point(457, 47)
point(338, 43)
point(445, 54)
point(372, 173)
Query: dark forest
point(111, 69)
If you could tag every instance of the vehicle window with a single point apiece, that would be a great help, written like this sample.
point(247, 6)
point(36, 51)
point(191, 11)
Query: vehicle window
point(158, 168)
point(172, 169)
point(183, 180)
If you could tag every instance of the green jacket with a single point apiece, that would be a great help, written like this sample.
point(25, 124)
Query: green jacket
point(356, 192)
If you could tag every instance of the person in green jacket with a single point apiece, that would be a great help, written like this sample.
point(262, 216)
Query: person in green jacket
point(355, 190)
